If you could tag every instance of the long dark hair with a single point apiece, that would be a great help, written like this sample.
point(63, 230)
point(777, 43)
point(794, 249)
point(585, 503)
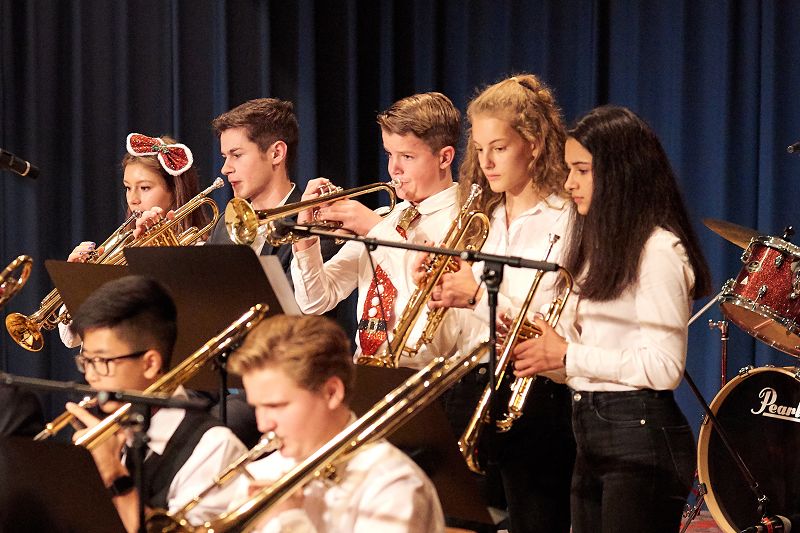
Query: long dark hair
point(634, 192)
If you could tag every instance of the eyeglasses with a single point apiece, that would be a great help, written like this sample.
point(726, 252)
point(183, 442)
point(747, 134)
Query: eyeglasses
point(101, 364)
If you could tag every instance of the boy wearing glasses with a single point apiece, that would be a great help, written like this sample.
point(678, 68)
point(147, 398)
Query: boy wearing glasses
point(128, 327)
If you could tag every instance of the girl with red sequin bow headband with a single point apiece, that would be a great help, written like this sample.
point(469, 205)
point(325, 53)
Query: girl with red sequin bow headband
point(175, 158)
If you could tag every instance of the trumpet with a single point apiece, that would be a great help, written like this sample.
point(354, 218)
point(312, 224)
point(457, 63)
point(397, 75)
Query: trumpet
point(521, 329)
point(9, 285)
point(225, 341)
point(394, 410)
point(163, 521)
point(26, 330)
point(467, 232)
point(52, 428)
point(244, 223)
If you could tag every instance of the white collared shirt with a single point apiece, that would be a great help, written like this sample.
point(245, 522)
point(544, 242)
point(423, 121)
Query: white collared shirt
point(319, 286)
point(527, 237)
point(379, 490)
point(639, 340)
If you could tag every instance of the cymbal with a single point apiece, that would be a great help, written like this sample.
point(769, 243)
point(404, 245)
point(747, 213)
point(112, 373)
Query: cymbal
point(738, 235)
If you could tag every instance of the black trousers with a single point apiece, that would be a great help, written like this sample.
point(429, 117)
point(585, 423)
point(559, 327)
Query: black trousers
point(531, 465)
point(635, 462)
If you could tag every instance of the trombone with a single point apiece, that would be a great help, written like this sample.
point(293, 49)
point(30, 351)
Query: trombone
point(244, 223)
point(521, 329)
point(162, 521)
point(390, 413)
point(26, 330)
point(9, 285)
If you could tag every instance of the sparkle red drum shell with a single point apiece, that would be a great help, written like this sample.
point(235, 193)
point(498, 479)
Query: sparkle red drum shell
point(760, 413)
point(764, 299)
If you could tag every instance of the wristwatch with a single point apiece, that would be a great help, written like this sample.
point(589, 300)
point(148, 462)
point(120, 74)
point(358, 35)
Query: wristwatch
point(122, 485)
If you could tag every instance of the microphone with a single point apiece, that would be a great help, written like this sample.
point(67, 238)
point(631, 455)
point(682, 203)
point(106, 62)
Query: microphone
point(771, 524)
point(792, 148)
point(9, 161)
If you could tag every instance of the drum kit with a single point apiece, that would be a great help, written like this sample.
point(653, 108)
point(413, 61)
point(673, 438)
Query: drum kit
point(748, 465)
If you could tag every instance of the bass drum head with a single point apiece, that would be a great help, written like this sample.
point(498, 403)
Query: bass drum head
point(759, 412)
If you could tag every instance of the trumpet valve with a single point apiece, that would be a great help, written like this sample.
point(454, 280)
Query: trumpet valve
point(328, 188)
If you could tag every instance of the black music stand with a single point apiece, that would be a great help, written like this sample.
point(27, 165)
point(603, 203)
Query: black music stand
point(52, 486)
point(211, 285)
point(429, 440)
point(79, 280)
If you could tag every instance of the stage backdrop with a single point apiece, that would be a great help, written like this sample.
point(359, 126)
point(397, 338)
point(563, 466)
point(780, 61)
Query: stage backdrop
point(717, 80)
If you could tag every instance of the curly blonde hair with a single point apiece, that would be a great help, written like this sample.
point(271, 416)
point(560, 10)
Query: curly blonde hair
point(530, 108)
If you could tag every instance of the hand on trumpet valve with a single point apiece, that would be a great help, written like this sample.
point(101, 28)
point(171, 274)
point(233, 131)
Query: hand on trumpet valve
point(106, 456)
point(420, 265)
point(457, 288)
point(351, 215)
point(502, 325)
point(84, 251)
point(541, 353)
point(150, 218)
point(314, 189)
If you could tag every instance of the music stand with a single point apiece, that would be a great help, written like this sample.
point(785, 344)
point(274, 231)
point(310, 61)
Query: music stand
point(52, 486)
point(79, 280)
point(429, 440)
point(211, 285)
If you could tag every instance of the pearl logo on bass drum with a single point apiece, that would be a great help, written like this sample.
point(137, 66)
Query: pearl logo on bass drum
point(770, 407)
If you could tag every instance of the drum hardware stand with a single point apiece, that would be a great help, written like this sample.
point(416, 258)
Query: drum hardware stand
point(761, 498)
point(722, 326)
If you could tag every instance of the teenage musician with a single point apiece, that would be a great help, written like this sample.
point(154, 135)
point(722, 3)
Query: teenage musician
point(419, 135)
point(514, 150)
point(128, 328)
point(300, 386)
point(166, 182)
point(638, 266)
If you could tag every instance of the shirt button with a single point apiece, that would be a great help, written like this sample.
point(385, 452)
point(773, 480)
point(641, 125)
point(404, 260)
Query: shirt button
point(576, 397)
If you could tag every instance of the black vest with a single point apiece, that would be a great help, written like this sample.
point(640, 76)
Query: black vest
point(159, 470)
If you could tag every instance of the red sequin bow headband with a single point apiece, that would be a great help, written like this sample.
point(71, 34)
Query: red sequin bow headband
point(175, 158)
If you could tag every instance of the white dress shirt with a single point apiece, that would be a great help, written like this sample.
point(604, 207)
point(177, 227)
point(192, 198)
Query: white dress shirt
point(639, 340)
point(319, 286)
point(217, 448)
point(379, 490)
point(527, 236)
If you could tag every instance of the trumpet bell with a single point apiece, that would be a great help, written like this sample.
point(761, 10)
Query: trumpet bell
point(241, 221)
point(25, 332)
point(9, 285)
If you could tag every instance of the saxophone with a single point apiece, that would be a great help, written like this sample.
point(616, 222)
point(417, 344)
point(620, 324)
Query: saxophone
point(467, 232)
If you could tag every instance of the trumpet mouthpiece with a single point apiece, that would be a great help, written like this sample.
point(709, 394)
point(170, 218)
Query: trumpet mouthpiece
point(219, 182)
point(394, 182)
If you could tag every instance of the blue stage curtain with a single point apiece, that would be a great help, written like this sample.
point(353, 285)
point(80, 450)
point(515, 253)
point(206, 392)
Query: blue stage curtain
point(716, 79)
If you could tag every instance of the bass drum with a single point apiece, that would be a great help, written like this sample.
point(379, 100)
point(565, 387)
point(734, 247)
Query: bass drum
point(760, 412)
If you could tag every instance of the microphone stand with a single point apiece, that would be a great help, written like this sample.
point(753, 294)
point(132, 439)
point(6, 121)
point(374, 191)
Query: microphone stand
point(492, 277)
point(372, 244)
